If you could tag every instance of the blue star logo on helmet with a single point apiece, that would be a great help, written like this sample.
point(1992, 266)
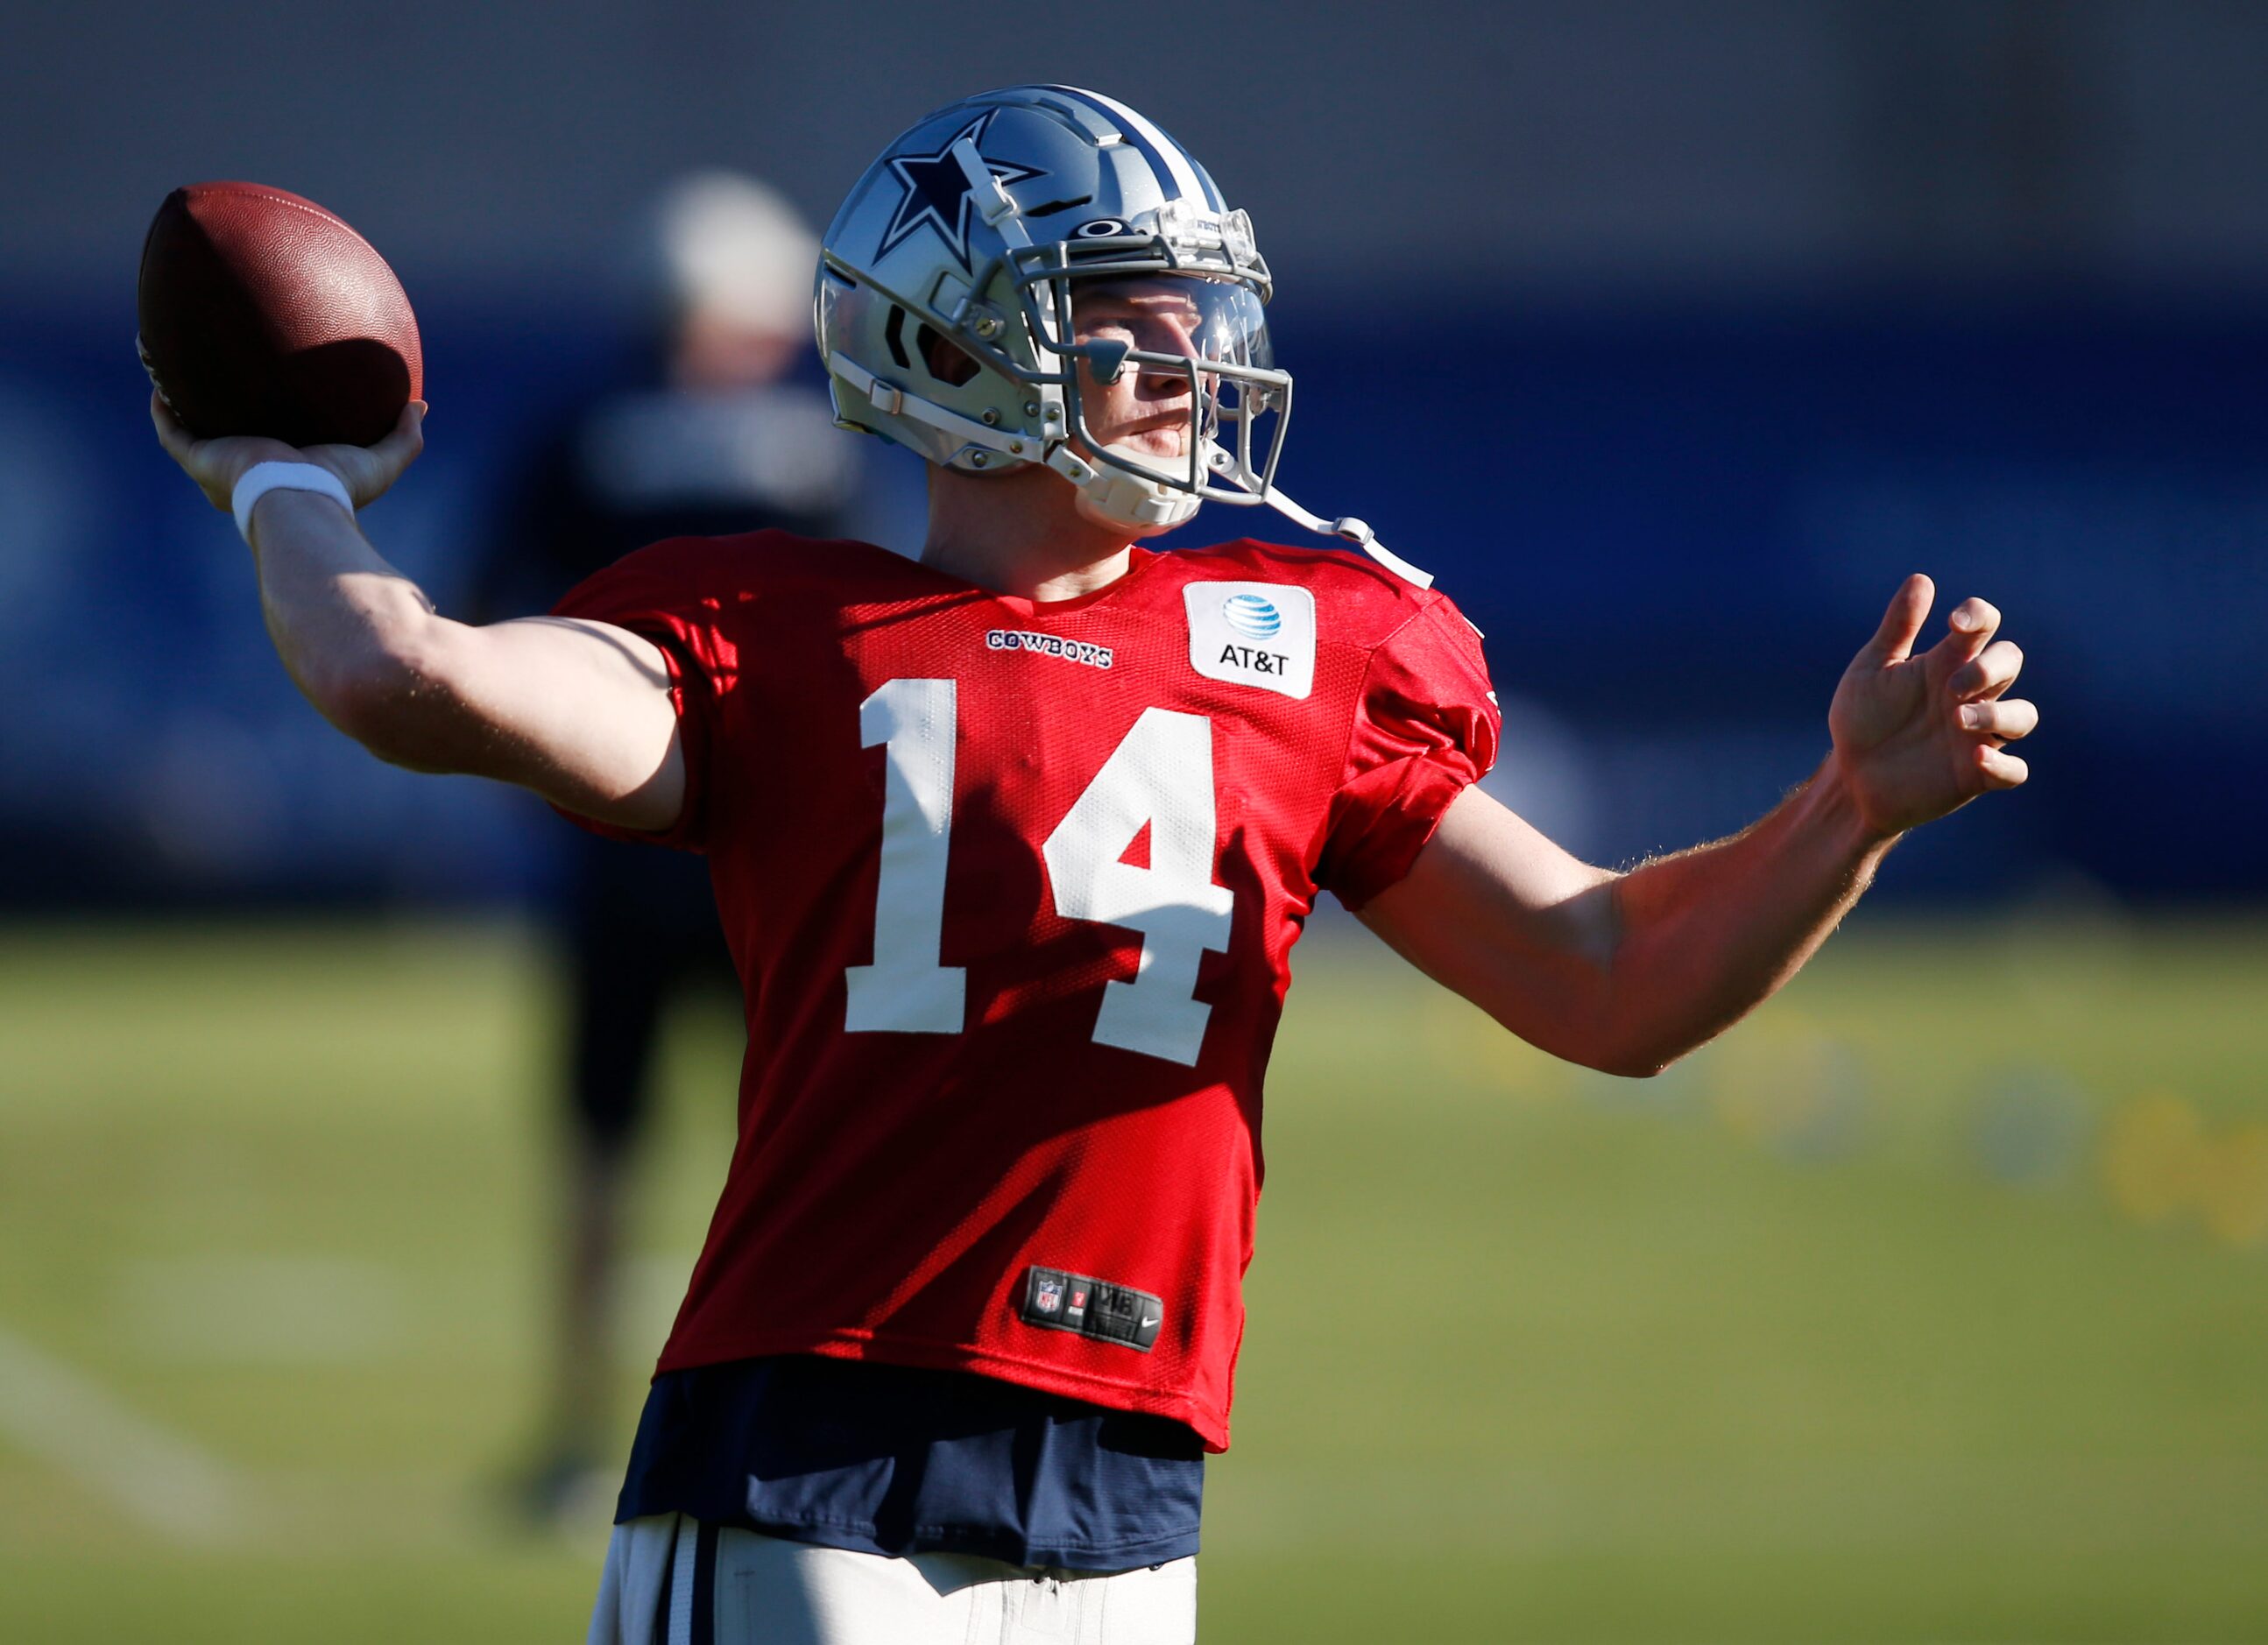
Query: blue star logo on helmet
point(938, 194)
point(1250, 614)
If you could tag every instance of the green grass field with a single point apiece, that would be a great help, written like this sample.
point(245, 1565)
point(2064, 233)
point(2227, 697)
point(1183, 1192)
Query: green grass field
point(1932, 1305)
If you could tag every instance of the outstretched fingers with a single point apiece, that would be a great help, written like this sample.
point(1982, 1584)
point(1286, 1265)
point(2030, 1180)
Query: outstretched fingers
point(2008, 718)
point(2000, 768)
point(1987, 673)
point(1977, 618)
point(1909, 609)
point(1969, 629)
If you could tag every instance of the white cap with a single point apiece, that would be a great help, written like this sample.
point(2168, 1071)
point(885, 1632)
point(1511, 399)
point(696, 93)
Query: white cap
point(733, 247)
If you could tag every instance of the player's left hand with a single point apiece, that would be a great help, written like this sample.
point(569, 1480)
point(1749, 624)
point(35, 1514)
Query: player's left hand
point(1918, 737)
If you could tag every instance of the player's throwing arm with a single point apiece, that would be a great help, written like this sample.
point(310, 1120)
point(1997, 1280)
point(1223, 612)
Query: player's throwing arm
point(279, 336)
point(578, 711)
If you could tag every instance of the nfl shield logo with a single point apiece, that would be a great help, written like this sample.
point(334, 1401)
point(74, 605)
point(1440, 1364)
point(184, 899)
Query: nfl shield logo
point(1047, 1293)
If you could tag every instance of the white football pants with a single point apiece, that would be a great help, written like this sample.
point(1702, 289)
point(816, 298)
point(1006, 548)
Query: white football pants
point(671, 1581)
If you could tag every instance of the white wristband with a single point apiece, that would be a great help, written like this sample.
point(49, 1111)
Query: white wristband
point(258, 481)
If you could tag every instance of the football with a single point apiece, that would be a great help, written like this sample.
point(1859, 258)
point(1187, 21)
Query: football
point(262, 314)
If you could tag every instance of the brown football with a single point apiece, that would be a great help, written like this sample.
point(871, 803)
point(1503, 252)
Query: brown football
point(263, 313)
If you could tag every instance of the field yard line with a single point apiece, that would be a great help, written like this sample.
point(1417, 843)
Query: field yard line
point(161, 1479)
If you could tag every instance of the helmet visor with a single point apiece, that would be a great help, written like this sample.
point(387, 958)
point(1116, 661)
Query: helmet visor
point(1211, 333)
point(1180, 316)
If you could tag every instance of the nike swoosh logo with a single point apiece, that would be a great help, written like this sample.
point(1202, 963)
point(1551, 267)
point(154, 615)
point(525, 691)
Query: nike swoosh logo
point(1147, 1322)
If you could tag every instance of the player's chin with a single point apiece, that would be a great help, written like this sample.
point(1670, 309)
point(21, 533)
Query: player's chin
point(1167, 445)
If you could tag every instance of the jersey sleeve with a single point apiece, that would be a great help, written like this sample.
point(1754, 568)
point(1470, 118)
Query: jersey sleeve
point(660, 593)
point(1426, 728)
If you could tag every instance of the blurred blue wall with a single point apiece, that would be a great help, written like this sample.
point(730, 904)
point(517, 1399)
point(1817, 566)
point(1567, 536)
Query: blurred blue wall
point(1674, 527)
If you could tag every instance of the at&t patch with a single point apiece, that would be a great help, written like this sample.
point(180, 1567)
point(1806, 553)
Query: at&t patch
point(1253, 633)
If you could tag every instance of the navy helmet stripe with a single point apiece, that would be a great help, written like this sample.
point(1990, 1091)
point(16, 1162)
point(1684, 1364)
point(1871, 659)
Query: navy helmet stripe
point(1172, 165)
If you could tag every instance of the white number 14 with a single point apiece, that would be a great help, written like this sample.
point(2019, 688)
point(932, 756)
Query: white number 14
point(1160, 777)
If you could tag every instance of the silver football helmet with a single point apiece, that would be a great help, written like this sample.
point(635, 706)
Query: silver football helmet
point(974, 228)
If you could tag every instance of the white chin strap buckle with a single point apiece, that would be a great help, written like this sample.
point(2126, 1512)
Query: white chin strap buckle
point(1351, 530)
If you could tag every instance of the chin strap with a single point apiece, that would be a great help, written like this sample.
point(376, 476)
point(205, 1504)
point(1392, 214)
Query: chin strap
point(1110, 496)
point(1352, 530)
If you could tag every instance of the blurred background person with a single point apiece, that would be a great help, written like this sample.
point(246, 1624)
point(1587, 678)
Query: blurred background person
point(705, 436)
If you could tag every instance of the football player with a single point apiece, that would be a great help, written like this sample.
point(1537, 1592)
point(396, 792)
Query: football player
point(1012, 845)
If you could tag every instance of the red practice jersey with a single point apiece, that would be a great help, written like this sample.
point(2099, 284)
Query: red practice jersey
point(1012, 887)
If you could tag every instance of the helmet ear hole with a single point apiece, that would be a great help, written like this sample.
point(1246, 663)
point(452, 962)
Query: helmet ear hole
point(893, 335)
point(947, 360)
